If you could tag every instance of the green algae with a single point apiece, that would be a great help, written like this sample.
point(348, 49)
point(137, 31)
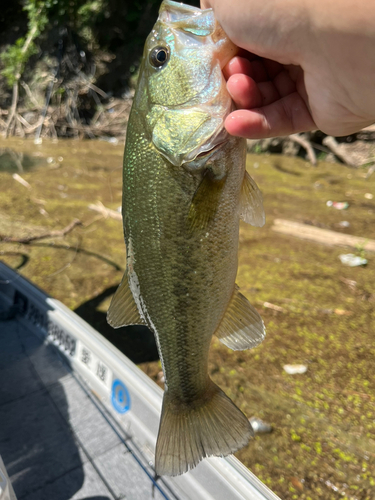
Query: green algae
point(323, 439)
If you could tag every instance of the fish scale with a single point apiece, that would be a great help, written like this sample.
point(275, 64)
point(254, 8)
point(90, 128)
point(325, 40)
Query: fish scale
point(169, 256)
point(184, 189)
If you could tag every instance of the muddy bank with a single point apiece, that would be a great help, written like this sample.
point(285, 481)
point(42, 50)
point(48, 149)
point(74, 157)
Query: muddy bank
point(318, 312)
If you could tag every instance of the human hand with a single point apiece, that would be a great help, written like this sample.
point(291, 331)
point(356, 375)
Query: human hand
point(305, 66)
point(270, 98)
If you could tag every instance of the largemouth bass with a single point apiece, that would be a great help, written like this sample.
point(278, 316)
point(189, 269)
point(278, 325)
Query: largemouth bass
point(185, 188)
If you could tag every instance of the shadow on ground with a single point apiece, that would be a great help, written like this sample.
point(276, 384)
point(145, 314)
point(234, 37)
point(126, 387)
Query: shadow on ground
point(136, 342)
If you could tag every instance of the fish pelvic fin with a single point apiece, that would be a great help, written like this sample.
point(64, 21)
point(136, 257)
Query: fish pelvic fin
point(123, 310)
point(241, 327)
point(212, 425)
point(251, 210)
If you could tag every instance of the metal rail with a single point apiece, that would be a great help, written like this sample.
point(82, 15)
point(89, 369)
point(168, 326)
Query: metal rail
point(6, 490)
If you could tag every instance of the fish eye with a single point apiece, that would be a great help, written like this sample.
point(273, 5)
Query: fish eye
point(159, 56)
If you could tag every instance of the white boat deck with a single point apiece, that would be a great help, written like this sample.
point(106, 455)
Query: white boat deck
point(56, 439)
point(78, 420)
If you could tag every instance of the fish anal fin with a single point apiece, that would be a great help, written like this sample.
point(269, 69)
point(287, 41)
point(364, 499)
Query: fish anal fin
point(210, 426)
point(241, 327)
point(251, 211)
point(123, 310)
point(205, 201)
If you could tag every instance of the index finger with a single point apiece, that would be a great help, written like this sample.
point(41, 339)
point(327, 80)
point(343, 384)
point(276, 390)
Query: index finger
point(238, 65)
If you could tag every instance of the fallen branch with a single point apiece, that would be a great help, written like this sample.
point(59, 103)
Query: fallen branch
point(94, 87)
point(263, 143)
point(21, 180)
point(334, 146)
point(367, 134)
point(106, 212)
point(319, 235)
point(370, 171)
point(33, 127)
point(12, 112)
point(350, 283)
point(297, 138)
point(306, 145)
point(29, 94)
point(268, 305)
point(49, 234)
point(22, 120)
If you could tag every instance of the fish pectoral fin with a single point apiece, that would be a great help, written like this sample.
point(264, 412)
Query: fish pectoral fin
point(123, 310)
point(241, 327)
point(204, 204)
point(251, 211)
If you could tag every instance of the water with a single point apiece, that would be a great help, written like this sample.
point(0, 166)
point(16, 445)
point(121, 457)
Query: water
point(323, 439)
point(13, 161)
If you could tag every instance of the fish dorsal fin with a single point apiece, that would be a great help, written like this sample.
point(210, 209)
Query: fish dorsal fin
point(123, 310)
point(252, 210)
point(241, 327)
point(205, 201)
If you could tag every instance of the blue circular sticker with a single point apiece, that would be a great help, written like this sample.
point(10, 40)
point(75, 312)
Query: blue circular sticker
point(120, 397)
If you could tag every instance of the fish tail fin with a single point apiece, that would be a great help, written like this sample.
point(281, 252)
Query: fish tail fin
point(212, 425)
